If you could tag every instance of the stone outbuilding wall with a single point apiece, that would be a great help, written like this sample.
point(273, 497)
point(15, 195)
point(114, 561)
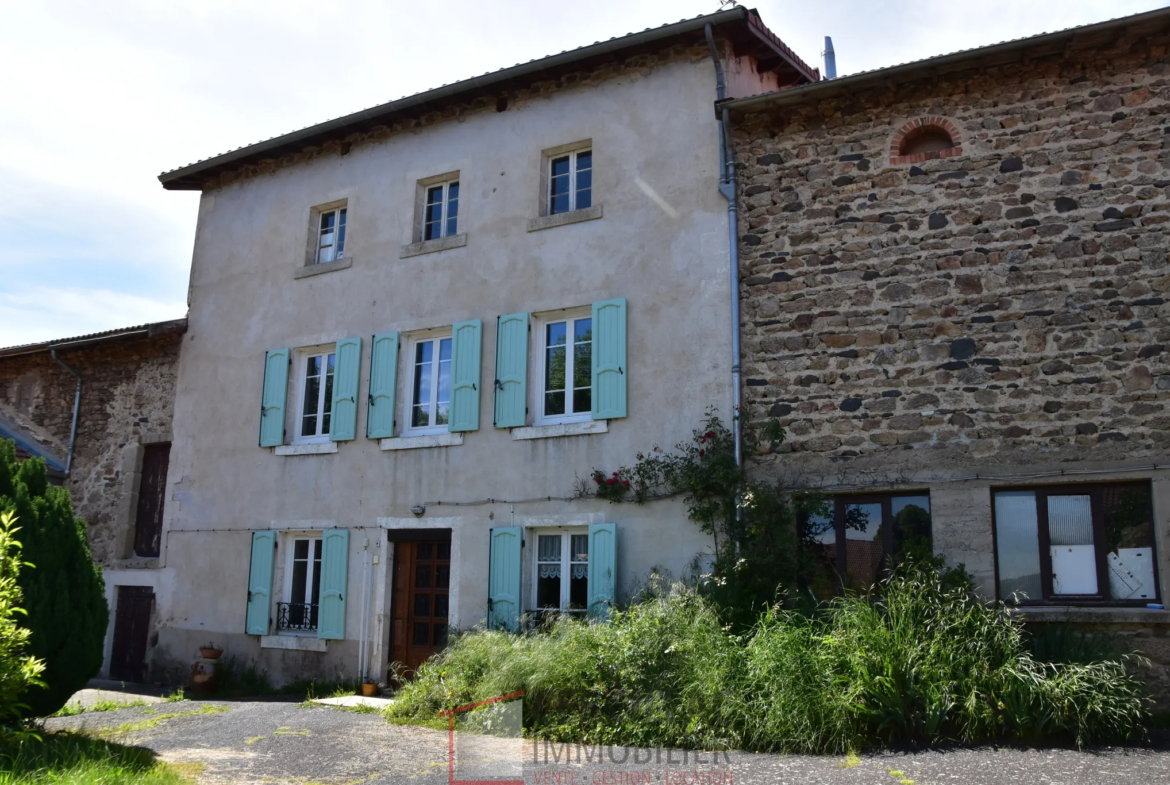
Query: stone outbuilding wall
point(127, 399)
point(1011, 298)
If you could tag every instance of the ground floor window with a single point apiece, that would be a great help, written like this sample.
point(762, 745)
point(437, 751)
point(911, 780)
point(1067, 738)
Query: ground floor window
point(860, 536)
point(1076, 544)
point(302, 587)
point(561, 572)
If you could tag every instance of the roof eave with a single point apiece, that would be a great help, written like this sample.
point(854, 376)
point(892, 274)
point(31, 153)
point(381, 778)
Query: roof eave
point(988, 55)
point(152, 330)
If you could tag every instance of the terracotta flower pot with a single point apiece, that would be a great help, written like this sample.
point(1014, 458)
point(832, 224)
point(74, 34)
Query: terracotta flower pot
point(369, 690)
point(210, 654)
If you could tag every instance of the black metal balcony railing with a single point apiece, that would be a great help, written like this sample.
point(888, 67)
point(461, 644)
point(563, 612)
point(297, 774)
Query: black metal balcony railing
point(296, 617)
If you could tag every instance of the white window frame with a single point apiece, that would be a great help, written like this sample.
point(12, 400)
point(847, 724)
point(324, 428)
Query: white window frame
point(572, 156)
point(334, 255)
point(290, 561)
point(567, 562)
point(541, 345)
point(446, 204)
point(411, 348)
point(302, 367)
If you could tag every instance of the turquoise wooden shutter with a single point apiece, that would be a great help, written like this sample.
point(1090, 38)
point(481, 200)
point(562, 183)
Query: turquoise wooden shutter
point(504, 578)
point(260, 583)
point(334, 572)
point(343, 421)
point(465, 350)
point(609, 359)
point(511, 371)
point(602, 568)
point(383, 381)
point(273, 398)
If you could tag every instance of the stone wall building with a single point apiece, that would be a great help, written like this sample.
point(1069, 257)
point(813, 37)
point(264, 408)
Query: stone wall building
point(124, 407)
point(956, 295)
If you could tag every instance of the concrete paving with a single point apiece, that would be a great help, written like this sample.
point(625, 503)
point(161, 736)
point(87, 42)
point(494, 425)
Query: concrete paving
point(272, 742)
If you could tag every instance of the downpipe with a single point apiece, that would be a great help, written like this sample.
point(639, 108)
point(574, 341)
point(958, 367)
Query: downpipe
point(76, 409)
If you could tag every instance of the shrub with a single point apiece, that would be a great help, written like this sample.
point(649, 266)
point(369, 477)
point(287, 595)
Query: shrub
point(64, 594)
point(18, 669)
point(924, 662)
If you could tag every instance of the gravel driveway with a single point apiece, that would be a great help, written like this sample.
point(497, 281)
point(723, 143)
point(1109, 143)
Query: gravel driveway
point(265, 742)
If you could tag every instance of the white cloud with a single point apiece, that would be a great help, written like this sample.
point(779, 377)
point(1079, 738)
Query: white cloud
point(44, 313)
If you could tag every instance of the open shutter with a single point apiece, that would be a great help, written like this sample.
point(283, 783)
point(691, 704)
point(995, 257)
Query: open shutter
point(273, 398)
point(504, 578)
point(343, 422)
point(602, 568)
point(260, 583)
point(383, 380)
point(334, 572)
point(465, 351)
point(609, 359)
point(511, 371)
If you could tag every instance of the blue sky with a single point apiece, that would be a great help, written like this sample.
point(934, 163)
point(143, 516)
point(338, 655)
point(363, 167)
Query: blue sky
point(101, 97)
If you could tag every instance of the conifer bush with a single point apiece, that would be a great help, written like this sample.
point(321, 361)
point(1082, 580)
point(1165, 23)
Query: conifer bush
point(64, 594)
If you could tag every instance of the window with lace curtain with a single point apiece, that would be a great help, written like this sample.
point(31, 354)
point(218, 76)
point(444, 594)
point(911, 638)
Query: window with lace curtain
point(561, 573)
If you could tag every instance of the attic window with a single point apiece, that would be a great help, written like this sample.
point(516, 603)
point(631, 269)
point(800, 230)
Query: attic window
point(925, 139)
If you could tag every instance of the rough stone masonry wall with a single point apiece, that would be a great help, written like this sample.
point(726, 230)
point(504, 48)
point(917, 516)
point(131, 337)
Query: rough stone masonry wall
point(128, 395)
point(1010, 302)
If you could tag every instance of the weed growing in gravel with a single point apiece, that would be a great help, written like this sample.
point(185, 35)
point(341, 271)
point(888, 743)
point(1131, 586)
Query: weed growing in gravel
point(131, 727)
point(72, 709)
point(74, 759)
point(922, 662)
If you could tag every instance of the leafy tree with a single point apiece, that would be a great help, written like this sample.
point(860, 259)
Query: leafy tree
point(64, 595)
point(18, 669)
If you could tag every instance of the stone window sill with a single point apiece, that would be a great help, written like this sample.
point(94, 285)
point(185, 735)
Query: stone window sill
point(433, 246)
point(1073, 613)
point(293, 642)
point(421, 442)
point(326, 267)
point(137, 563)
point(561, 219)
point(316, 448)
point(560, 429)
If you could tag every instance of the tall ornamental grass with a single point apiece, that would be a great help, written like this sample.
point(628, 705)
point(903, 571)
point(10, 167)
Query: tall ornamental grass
point(918, 663)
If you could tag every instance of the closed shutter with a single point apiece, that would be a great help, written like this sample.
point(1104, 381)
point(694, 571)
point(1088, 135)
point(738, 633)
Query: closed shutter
point(511, 371)
point(465, 356)
point(602, 569)
point(504, 578)
point(260, 583)
point(383, 381)
point(343, 422)
point(272, 399)
point(334, 572)
point(609, 359)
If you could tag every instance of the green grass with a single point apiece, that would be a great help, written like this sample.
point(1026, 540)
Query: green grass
point(157, 719)
point(73, 709)
point(924, 663)
point(73, 759)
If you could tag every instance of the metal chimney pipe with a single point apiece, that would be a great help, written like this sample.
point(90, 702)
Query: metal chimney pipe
point(829, 59)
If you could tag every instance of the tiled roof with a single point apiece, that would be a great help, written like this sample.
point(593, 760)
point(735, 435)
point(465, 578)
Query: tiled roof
point(150, 329)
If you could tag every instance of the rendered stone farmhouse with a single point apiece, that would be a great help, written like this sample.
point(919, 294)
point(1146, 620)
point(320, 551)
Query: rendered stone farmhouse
point(415, 331)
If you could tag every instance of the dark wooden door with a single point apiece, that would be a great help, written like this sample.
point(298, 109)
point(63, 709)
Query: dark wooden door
point(131, 629)
point(422, 580)
point(151, 492)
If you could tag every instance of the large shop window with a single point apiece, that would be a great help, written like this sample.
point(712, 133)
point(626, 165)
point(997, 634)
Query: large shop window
point(1076, 544)
point(861, 536)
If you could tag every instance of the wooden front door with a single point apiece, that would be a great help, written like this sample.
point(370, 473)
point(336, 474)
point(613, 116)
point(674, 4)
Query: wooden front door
point(151, 490)
point(422, 580)
point(131, 629)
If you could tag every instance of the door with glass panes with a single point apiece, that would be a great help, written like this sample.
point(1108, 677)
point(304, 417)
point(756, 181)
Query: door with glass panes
point(422, 580)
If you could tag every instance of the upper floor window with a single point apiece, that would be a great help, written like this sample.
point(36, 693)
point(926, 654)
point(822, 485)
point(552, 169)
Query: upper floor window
point(430, 384)
point(1076, 544)
point(566, 373)
point(441, 213)
point(570, 181)
point(331, 236)
point(316, 387)
point(862, 535)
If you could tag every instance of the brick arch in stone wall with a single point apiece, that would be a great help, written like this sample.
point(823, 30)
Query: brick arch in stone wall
point(906, 146)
